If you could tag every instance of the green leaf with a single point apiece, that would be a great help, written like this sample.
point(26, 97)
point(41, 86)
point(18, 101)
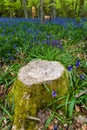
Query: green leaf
point(6, 111)
point(49, 120)
point(66, 103)
point(71, 106)
point(46, 87)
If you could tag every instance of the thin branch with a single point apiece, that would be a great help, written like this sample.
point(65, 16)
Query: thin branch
point(33, 118)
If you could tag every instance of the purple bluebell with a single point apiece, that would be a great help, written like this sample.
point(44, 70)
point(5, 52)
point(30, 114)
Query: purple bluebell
point(15, 46)
point(60, 46)
point(55, 42)
point(34, 38)
point(29, 30)
point(38, 42)
point(43, 41)
point(55, 127)
point(70, 68)
point(77, 63)
point(54, 94)
point(82, 76)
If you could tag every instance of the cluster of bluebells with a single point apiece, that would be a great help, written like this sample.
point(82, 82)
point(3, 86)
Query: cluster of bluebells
point(60, 21)
point(57, 43)
point(77, 64)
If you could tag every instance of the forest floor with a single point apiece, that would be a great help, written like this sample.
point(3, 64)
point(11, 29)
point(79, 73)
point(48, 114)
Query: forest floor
point(78, 121)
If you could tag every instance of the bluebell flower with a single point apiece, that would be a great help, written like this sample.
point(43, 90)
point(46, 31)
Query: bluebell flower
point(55, 42)
point(43, 41)
point(29, 30)
point(70, 68)
point(37, 32)
point(34, 38)
point(55, 127)
point(60, 46)
point(77, 63)
point(82, 76)
point(15, 46)
point(38, 42)
point(54, 94)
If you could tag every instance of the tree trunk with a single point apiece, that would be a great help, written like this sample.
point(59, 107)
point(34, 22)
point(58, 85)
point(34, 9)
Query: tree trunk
point(81, 5)
point(24, 4)
point(42, 10)
point(63, 7)
point(76, 8)
point(54, 10)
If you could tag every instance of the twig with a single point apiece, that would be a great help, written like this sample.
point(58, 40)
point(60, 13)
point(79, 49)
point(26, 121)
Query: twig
point(33, 118)
point(80, 94)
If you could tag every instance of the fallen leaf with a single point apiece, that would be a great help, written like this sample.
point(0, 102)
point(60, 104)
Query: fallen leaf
point(50, 127)
point(84, 126)
point(77, 108)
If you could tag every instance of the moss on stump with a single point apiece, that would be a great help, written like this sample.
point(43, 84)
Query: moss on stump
point(33, 90)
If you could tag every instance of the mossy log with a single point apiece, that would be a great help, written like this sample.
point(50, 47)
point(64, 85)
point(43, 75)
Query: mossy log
point(33, 91)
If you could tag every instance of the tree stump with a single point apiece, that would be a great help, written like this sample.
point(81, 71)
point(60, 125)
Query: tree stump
point(33, 91)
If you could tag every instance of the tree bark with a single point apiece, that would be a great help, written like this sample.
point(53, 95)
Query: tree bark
point(54, 10)
point(24, 4)
point(42, 11)
point(81, 5)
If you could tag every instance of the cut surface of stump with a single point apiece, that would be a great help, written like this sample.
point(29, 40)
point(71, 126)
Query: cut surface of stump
point(40, 71)
point(33, 91)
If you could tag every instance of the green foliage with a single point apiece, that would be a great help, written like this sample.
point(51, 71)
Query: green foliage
point(49, 120)
point(67, 8)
